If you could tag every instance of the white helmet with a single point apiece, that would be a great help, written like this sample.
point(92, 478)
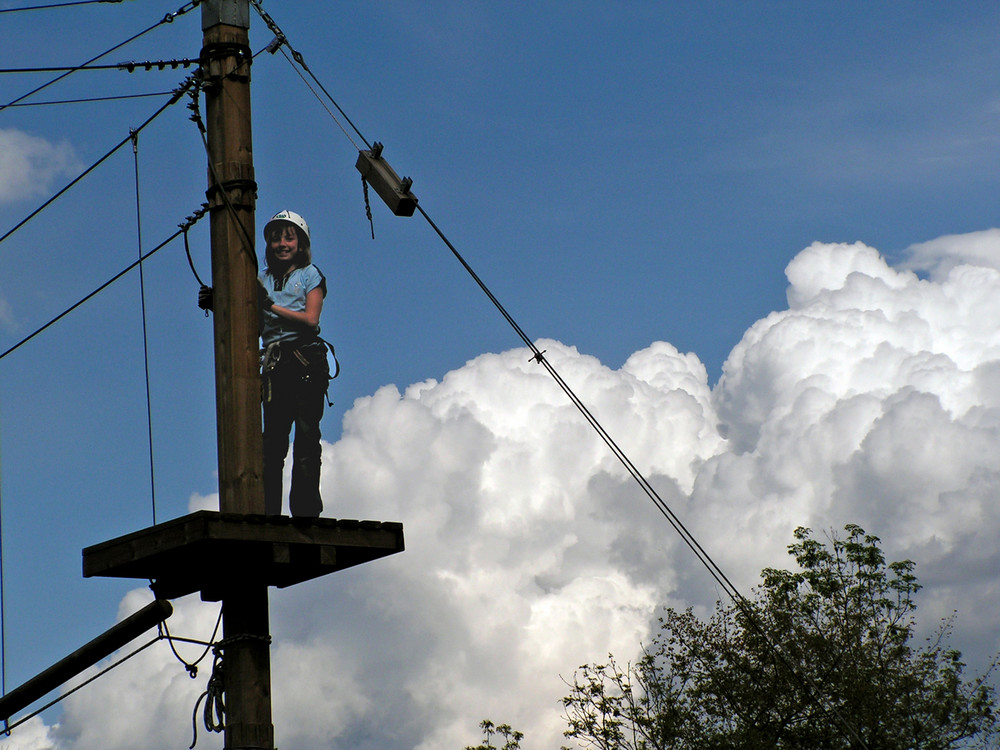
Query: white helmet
point(292, 218)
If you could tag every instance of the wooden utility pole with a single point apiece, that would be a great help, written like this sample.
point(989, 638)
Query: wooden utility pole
point(232, 193)
point(235, 554)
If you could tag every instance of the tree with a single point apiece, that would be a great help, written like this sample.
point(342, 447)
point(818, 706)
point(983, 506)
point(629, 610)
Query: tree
point(820, 659)
point(511, 737)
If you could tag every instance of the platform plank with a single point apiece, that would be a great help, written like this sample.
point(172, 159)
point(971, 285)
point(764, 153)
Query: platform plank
point(209, 551)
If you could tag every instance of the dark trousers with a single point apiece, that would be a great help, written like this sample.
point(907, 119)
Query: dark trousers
point(294, 394)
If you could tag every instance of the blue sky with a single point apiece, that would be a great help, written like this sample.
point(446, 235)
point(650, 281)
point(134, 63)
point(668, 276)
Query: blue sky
point(618, 174)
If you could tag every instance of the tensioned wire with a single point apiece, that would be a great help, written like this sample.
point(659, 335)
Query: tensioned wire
point(94, 293)
point(57, 5)
point(811, 690)
point(145, 334)
point(87, 100)
point(175, 96)
point(169, 18)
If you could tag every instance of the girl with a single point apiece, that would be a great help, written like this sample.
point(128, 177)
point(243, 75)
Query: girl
point(295, 372)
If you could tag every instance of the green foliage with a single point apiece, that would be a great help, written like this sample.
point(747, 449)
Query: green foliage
point(511, 738)
point(821, 659)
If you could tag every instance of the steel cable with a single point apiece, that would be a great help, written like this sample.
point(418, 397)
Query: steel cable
point(811, 690)
point(169, 18)
point(175, 96)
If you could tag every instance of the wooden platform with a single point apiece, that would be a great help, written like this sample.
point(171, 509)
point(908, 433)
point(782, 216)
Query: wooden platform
point(210, 552)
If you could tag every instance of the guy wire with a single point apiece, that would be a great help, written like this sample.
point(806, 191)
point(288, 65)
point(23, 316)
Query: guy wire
point(92, 294)
point(176, 95)
point(57, 5)
point(166, 19)
point(145, 334)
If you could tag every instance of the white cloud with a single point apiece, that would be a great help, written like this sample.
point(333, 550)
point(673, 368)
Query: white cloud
point(29, 164)
point(941, 255)
point(874, 398)
point(32, 735)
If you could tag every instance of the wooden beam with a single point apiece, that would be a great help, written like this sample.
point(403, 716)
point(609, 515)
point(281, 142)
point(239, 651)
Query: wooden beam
point(62, 671)
point(207, 550)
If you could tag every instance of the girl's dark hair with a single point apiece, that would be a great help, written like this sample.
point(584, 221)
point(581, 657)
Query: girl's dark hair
point(305, 251)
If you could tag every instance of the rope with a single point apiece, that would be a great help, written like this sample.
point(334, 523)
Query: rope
point(214, 715)
point(145, 333)
point(368, 206)
point(192, 667)
point(175, 96)
point(187, 250)
point(169, 18)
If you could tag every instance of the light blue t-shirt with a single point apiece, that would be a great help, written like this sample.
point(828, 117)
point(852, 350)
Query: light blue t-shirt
point(289, 292)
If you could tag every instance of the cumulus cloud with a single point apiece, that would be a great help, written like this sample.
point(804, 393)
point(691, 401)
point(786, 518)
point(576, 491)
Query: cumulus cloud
point(29, 164)
point(874, 398)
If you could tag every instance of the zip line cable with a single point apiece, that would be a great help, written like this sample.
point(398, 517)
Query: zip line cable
point(743, 604)
point(539, 357)
point(145, 334)
point(323, 103)
point(811, 690)
point(175, 96)
point(169, 18)
point(57, 5)
point(279, 40)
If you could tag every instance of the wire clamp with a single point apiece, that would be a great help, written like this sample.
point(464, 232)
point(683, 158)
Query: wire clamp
point(276, 43)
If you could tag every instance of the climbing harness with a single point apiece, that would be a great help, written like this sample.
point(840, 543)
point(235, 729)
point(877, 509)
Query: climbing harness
point(271, 357)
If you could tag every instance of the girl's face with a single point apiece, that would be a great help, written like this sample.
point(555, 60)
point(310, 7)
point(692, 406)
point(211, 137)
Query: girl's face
point(283, 242)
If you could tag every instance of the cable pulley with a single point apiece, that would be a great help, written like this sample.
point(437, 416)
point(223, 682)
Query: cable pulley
point(390, 188)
